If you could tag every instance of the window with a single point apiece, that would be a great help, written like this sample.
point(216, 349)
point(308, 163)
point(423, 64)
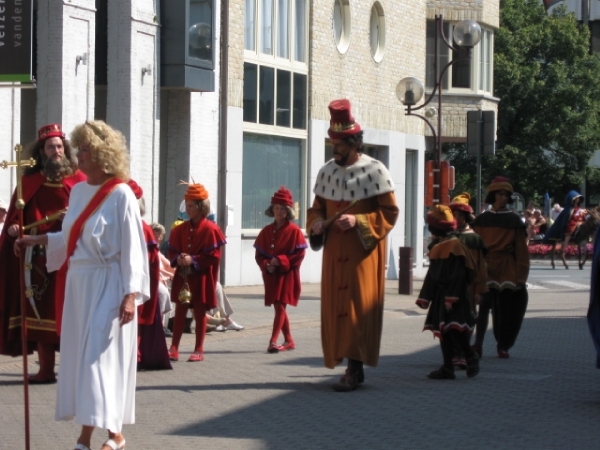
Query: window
point(430, 54)
point(281, 27)
point(266, 36)
point(486, 52)
point(250, 25)
point(377, 33)
point(284, 89)
point(300, 96)
point(250, 92)
point(270, 162)
point(300, 31)
point(275, 97)
point(475, 74)
point(275, 106)
point(341, 24)
point(266, 95)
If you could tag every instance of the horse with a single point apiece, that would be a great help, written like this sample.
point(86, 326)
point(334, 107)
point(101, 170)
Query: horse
point(581, 236)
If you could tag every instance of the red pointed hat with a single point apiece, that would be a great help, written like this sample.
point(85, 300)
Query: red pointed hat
point(52, 130)
point(342, 123)
point(137, 190)
point(282, 197)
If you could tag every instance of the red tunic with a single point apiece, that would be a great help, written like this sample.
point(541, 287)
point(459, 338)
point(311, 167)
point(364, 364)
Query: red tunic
point(288, 245)
point(576, 219)
point(146, 311)
point(203, 242)
point(41, 198)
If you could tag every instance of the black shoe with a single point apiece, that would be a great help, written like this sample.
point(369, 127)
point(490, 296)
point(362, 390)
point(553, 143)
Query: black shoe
point(473, 365)
point(443, 373)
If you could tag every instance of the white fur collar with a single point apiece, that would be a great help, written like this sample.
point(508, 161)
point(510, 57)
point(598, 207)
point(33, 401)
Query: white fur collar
point(366, 178)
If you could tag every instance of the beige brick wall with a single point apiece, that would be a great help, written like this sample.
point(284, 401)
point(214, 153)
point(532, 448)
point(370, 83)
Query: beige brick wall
point(236, 53)
point(483, 11)
point(454, 118)
point(369, 85)
point(355, 75)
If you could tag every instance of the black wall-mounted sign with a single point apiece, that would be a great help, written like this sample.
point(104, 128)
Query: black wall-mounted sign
point(16, 29)
point(481, 132)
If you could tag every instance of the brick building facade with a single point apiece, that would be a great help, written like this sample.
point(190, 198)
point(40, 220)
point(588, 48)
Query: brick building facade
point(287, 59)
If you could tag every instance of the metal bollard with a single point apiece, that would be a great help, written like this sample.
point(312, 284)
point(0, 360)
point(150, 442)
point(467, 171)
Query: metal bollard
point(405, 271)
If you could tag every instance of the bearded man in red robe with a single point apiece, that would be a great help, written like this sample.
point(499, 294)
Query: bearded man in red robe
point(46, 188)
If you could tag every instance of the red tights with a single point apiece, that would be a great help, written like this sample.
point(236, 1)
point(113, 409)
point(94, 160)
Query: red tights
point(281, 323)
point(179, 325)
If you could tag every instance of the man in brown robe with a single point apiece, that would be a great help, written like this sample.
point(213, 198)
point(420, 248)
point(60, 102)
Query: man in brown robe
point(354, 247)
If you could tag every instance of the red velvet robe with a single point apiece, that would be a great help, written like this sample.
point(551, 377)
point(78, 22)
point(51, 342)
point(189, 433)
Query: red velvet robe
point(288, 245)
point(203, 242)
point(153, 353)
point(41, 198)
point(146, 311)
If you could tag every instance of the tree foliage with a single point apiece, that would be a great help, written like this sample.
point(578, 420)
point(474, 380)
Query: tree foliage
point(548, 116)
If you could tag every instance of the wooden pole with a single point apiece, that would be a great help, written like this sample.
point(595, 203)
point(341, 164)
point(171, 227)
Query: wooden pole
point(20, 204)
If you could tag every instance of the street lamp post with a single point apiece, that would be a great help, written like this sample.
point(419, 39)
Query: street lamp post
point(409, 91)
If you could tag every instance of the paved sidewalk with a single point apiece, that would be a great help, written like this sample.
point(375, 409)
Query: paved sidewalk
point(546, 396)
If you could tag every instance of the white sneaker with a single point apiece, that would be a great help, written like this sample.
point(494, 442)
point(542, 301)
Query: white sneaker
point(235, 327)
point(220, 328)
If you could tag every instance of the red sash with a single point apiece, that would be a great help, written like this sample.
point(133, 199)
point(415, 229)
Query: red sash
point(61, 277)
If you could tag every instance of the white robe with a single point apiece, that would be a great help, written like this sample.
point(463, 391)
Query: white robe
point(98, 358)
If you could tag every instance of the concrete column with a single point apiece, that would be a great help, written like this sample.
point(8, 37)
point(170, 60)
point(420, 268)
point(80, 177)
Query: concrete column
point(175, 156)
point(65, 62)
point(132, 91)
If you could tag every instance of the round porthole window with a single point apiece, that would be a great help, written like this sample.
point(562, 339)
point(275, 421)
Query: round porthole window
point(377, 32)
point(341, 24)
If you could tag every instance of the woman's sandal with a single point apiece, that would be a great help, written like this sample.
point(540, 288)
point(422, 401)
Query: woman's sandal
point(112, 444)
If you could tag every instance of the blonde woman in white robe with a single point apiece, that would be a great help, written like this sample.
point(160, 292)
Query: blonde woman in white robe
point(107, 278)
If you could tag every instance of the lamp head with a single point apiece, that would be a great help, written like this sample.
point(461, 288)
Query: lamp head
point(467, 33)
point(409, 91)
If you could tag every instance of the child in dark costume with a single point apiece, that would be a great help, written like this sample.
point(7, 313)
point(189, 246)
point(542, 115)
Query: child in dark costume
point(463, 214)
point(445, 293)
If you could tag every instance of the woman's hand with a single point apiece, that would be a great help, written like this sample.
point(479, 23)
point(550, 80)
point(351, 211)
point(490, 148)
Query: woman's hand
point(127, 309)
point(29, 241)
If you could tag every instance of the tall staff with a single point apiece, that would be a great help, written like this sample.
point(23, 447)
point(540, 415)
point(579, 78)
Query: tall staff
point(20, 205)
